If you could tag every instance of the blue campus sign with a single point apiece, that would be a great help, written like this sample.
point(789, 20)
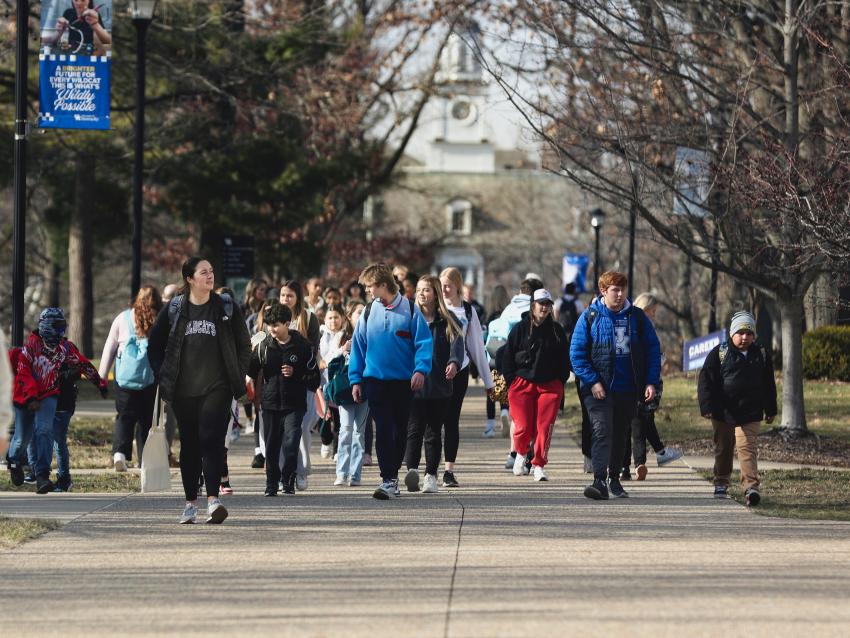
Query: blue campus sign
point(574, 270)
point(74, 92)
point(695, 351)
point(75, 63)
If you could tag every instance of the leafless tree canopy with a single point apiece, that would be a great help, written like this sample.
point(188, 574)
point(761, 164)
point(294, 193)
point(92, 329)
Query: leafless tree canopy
point(753, 94)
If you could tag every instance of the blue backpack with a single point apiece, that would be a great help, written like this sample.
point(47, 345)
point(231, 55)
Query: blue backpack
point(132, 369)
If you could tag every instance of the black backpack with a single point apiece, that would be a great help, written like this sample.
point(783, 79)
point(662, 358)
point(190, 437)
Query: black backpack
point(568, 315)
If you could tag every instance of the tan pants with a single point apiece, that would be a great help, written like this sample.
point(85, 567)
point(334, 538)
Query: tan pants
point(726, 438)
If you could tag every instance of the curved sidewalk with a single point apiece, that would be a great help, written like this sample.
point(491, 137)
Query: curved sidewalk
point(500, 556)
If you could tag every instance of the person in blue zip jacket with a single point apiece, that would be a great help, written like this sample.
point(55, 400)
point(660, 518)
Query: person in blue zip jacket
point(616, 354)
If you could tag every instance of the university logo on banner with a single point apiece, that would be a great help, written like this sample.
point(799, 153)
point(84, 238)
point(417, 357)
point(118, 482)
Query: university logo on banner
point(75, 64)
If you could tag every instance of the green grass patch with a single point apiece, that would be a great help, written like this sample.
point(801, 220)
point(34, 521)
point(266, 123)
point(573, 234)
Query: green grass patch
point(86, 483)
point(14, 531)
point(803, 494)
point(90, 442)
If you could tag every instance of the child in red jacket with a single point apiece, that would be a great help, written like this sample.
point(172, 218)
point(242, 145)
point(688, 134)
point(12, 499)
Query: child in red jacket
point(37, 384)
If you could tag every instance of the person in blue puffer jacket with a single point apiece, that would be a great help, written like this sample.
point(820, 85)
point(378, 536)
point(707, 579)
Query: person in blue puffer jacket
point(616, 354)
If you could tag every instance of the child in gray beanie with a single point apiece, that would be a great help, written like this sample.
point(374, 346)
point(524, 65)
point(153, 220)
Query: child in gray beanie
point(736, 391)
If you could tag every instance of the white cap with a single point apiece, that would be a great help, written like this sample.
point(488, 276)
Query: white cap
point(542, 295)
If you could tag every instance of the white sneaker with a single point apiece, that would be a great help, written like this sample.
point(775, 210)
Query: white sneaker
point(505, 418)
point(430, 484)
point(668, 455)
point(490, 429)
point(411, 480)
point(385, 491)
point(509, 462)
point(354, 483)
point(190, 513)
point(519, 465)
point(301, 483)
point(588, 465)
point(119, 461)
point(340, 480)
point(539, 474)
point(326, 451)
point(216, 512)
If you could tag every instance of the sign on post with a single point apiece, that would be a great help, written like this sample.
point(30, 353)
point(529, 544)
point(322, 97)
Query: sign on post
point(237, 256)
point(574, 270)
point(75, 63)
point(695, 351)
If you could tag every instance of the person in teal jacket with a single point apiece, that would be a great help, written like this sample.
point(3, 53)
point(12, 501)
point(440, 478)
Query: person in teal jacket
point(391, 354)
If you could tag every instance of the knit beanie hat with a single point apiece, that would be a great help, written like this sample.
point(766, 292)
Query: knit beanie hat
point(51, 326)
point(742, 320)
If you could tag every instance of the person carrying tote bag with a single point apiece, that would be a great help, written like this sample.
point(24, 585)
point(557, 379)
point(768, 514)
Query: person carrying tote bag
point(156, 475)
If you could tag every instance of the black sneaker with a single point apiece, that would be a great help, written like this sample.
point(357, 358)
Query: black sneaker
point(16, 473)
point(616, 489)
point(289, 485)
point(259, 462)
point(721, 491)
point(597, 490)
point(270, 491)
point(752, 497)
point(63, 484)
point(43, 486)
point(626, 475)
point(449, 479)
point(29, 479)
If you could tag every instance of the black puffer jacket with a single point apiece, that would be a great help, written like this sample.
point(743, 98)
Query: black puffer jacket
point(538, 354)
point(165, 345)
point(741, 389)
point(280, 392)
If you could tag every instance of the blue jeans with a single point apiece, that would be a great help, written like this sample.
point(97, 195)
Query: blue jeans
point(60, 443)
point(37, 426)
point(352, 438)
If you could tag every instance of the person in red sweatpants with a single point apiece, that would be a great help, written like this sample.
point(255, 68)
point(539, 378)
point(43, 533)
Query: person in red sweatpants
point(536, 365)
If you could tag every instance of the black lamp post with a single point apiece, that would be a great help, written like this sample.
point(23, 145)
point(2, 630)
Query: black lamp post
point(597, 218)
point(19, 274)
point(141, 11)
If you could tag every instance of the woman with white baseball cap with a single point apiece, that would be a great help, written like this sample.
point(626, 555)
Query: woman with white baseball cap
point(536, 365)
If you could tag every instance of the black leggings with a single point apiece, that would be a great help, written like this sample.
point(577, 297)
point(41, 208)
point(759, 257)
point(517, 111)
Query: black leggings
point(426, 420)
point(491, 408)
point(452, 442)
point(202, 422)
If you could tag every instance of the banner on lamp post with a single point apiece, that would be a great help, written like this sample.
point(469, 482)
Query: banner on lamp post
point(574, 270)
point(75, 64)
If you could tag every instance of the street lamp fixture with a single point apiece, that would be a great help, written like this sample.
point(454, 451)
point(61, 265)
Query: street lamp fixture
point(597, 218)
point(141, 11)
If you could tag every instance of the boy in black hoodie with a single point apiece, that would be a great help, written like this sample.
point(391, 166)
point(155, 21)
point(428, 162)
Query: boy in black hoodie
point(285, 359)
point(736, 391)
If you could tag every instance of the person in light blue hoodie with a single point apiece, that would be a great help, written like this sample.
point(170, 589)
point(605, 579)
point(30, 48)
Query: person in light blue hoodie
point(391, 354)
point(617, 357)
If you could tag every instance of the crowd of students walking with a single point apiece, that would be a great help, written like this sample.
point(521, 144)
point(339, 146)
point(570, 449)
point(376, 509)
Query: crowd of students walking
point(386, 362)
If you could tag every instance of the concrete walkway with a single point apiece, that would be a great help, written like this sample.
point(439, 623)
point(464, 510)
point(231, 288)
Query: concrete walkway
point(500, 556)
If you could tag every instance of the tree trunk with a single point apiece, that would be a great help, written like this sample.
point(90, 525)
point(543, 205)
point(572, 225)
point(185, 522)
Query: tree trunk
point(686, 319)
point(793, 405)
point(80, 285)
